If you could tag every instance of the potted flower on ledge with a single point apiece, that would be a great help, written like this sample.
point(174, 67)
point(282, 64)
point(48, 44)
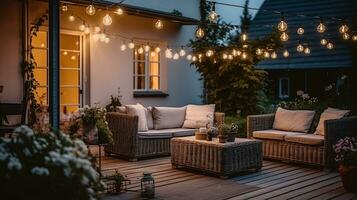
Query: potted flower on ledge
point(346, 155)
point(228, 132)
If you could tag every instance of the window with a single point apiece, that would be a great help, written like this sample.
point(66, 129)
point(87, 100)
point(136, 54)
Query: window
point(146, 69)
point(284, 87)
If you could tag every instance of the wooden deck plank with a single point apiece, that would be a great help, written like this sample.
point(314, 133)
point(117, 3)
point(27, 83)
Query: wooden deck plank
point(318, 192)
point(331, 194)
point(345, 196)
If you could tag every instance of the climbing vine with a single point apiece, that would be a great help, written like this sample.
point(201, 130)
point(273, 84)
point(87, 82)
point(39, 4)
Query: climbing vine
point(30, 83)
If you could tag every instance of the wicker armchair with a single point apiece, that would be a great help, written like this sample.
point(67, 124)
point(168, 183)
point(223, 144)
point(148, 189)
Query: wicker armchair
point(129, 145)
point(320, 155)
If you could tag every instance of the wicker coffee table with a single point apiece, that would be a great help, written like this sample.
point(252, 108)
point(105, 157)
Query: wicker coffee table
point(222, 159)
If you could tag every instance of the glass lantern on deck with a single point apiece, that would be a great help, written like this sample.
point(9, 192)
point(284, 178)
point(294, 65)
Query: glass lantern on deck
point(147, 185)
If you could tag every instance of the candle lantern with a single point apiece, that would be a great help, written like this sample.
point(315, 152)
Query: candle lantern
point(147, 185)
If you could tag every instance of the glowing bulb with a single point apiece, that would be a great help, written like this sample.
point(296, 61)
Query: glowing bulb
point(141, 50)
point(159, 24)
point(209, 53)
point(86, 30)
point(244, 37)
point(71, 18)
point(343, 28)
point(182, 52)
point(321, 28)
point(286, 53)
point(131, 45)
point(300, 31)
point(96, 37)
point(234, 52)
point(107, 20)
point(329, 45)
point(176, 56)
point(119, 11)
point(65, 53)
point(259, 52)
point(282, 26)
point(323, 41)
point(64, 8)
point(244, 55)
point(239, 53)
point(284, 37)
point(189, 57)
point(123, 47)
point(307, 50)
point(96, 29)
point(354, 38)
point(147, 48)
point(194, 58)
point(90, 10)
point(345, 36)
point(107, 40)
point(273, 55)
point(73, 57)
point(300, 48)
point(200, 33)
point(168, 53)
point(230, 57)
point(153, 54)
point(102, 37)
point(224, 56)
point(81, 27)
point(157, 49)
point(212, 16)
point(266, 54)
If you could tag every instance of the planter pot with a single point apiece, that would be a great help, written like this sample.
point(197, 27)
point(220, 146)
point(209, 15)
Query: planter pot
point(90, 134)
point(349, 177)
point(231, 137)
point(222, 139)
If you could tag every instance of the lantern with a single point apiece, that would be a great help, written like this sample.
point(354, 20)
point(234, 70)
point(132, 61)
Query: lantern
point(147, 185)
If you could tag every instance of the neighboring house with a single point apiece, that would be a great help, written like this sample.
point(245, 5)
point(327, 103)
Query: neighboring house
point(310, 73)
point(91, 71)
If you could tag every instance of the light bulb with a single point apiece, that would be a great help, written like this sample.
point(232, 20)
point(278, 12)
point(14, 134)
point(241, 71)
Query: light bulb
point(230, 57)
point(354, 38)
point(107, 20)
point(65, 53)
point(282, 26)
point(64, 8)
point(345, 36)
point(329, 45)
point(300, 31)
point(307, 50)
point(86, 30)
point(300, 48)
point(102, 37)
point(71, 18)
point(189, 57)
point(321, 28)
point(224, 56)
point(200, 33)
point(176, 56)
point(286, 53)
point(244, 37)
point(284, 37)
point(119, 11)
point(209, 53)
point(239, 53)
point(153, 54)
point(141, 50)
point(266, 54)
point(168, 53)
point(199, 56)
point(81, 27)
point(107, 40)
point(147, 48)
point(157, 49)
point(182, 52)
point(244, 55)
point(159, 24)
point(194, 58)
point(96, 37)
point(273, 55)
point(96, 29)
point(90, 10)
point(234, 52)
point(323, 41)
point(258, 52)
point(212, 16)
point(131, 45)
point(123, 47)
point(343, 28)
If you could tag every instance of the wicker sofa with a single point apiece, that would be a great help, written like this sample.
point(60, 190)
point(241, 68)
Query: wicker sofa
point(311, 153)
point(131, 144)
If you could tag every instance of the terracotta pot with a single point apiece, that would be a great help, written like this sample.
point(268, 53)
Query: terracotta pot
point(231, 137)
point(349, 177)
point(222, 138)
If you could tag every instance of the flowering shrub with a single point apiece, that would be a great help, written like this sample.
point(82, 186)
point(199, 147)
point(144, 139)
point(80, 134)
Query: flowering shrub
point(346, 151)
point(303, 101)
point(46, 166)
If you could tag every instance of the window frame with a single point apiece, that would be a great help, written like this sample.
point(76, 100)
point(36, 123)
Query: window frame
point(281, 95)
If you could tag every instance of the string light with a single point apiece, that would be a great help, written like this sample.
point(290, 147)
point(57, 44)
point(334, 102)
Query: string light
point(244, 55)
point(86, 30)
point(141, 50)
point(354, 38)
point(346, 36)
point(131, 45)
point(323, 41)
point(147, 48)
point(329, 45)
point(153, 54)
point(321, 28)
point(300, 30)
point(96, 29)
point(107, 40)
point(266, 54)
point(244, 37)
point(96, 37)
point(234, 52)
point(182, 52)
point(90, 10)
point(282, 26)
point(300, 48)
point(102, 37)
point(176, 56)
point(239, 53)
point(157, 49)
point(194, 58)
point(71, 18)
point(286, 53)
point(212, 16)
point(107, 20)
point(168, 53)
point(259, 52)
point(307, 50)
point(81, 27)
point(273, 55)
point(343, 28)
point(209, 53)
point(284, 37)
point(224, 56)
point(200, 33)
point(123, 47)
point(119, 11)
point(159, 24)
point(64, 8)
point(189, 57)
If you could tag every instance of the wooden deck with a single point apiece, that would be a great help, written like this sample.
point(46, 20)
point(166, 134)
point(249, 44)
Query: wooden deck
point(276, 180)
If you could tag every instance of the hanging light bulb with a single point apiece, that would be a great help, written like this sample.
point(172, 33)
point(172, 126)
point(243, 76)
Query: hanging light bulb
point(119, 11)
point(300, 48)
point(64, 8)
point(102, 37)
point(354, 38)
point(239, 53)
point(329, 45)
point(123, 47)
point(90, 10)
point(131, 45)
point(282, 26)
point(168, 53)
point(209, 53)
point(107, 40)
point(212, 16)
point(159, 24)
point(81, 27)
point(300, 30)
point(307, 50)
point(273, 55)
point(323, 41)
point(266, 54)
point(182, 52)
point(343, 28)
point(286, 53)
point(96, 37)
point(346, 36)
point(244, 37)
point(194, 58)
point(244, 55)
point(224, 56)
point(96, 29)
point(234, 52)
point(71, 18)
point(153, 54)
point(321, 28)
point(200, 33)
point(141, 50)
point(284, 37)
point(259, 52)
point(86, 30)
point(189, 57)
point(176, 56)
point(147, 48)
point(157, 49)
point(107, 20)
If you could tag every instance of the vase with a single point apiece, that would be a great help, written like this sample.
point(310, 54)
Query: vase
point(349, 177)
point(90, 134)
point(231, 137)
point(222, 138)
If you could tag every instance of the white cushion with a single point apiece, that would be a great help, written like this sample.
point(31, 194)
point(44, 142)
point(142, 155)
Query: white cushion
point(293, 120)
point(149, 118)
point(166, 133)
point(274, 134)
point(139, 111)
point(328, 114)
point(199, 116)
point(309, 139)
point(168, 117)
point(121, 109)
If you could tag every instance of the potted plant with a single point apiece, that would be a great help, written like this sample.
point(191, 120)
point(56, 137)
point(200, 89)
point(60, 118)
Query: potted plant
point(346, 155)
point(229, 130)
point(114, 102)
point(223, 131)
point(115, 183)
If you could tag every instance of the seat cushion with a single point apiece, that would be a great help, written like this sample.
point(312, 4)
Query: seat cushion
point(166, 133)
point(199, 116)
point(168, 117)
point(274, 134)
point(184, 132)
point(149, 118)
point(329, 114)
point(309, 139)
point(293, 120)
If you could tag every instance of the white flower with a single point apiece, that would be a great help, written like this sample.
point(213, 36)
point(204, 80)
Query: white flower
point(14, 164)
point(25, 130)
point(305, 96)
point(41, 171)
point(300, 93)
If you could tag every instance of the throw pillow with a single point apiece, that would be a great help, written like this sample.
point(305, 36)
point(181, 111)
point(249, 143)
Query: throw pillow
point(149, 117)
point(168, 117)
point(139, 111)
point(328, 114)
point(199, 116)
point(293, 120)
point(121, 109)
